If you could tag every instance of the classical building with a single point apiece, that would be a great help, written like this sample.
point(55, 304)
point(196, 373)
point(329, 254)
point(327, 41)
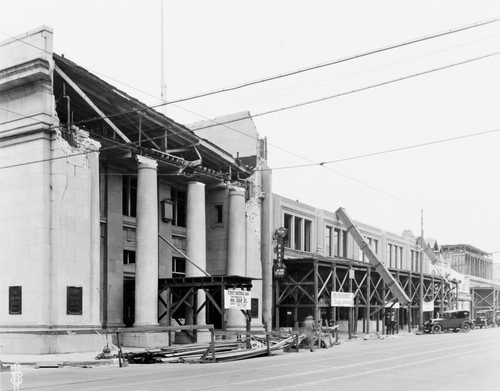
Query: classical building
point(104, 200)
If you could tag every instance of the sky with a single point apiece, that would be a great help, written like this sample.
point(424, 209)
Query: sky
point(210, 45)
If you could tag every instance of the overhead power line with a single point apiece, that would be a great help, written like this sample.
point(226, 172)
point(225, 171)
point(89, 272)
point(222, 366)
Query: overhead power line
point(335, 62)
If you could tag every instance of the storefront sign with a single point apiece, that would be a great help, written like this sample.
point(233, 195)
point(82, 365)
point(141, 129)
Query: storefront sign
point(237, 299)
point(342, 299)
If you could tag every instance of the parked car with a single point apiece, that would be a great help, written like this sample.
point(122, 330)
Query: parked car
point(455, 321)
point(497, 318)
point(485, 318)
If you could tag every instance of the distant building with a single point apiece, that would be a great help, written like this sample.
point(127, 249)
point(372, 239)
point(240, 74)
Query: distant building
point(478, 267)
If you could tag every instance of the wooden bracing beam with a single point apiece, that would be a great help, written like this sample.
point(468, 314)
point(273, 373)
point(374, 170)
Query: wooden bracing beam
point(84, 96)
point(391, 283)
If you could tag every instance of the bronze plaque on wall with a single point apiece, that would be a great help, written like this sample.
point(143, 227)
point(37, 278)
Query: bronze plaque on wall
point(74, 300)
point(15, 300)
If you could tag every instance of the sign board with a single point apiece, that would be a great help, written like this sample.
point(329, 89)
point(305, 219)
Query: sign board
point(392, 305)
point(279, 270)
point(342, 299)
point(428, 306)
point(237, 299)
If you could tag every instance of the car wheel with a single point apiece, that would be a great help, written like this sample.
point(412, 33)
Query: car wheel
point(465, 327)
point(436, 328)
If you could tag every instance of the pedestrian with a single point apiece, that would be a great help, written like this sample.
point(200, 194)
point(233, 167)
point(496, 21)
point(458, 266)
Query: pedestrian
point(390, 322)
point(309, 331)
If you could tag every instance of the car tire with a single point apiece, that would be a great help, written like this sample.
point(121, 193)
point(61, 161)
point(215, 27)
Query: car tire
point(436, 328)
point(466, 327)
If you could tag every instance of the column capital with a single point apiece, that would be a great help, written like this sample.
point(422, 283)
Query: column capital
point(145, 162)
point(236, 189)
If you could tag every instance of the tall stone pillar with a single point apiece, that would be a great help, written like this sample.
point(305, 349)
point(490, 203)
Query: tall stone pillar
point(267, 248)
point(196, 237)
point(236, 249)
point(146, 264)
point(95, 232)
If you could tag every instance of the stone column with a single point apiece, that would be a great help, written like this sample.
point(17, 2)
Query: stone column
point(146, 266)
point(267, 248)
point(196, 237)
point(236, 249)
point(95, 232)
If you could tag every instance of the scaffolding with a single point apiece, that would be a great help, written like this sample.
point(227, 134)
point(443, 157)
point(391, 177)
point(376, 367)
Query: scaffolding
point(308, 283)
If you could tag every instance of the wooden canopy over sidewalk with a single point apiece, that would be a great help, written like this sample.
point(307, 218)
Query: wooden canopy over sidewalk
point(308, 283)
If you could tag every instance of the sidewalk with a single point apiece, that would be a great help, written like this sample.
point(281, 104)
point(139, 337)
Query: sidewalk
point(88, 359)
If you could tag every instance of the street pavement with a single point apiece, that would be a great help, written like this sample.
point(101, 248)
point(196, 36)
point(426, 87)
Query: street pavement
point(448, 361)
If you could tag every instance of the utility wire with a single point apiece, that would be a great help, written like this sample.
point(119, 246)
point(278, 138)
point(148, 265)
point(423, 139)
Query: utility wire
point(334, 62)
point(182, 130)
point(300, 70)
point(387, 151)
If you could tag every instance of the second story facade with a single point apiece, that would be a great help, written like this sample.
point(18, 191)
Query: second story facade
point(313, 231)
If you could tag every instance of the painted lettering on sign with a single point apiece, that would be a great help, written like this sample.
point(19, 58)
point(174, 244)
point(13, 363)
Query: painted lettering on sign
point(342, 299)
point(237, 299)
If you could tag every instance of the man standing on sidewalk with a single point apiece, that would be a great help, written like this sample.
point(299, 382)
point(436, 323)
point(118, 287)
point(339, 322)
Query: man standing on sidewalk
point(309, 331)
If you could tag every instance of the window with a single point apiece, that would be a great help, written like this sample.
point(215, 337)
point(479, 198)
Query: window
point(179, 242)
point(217, 215)
point(389, 254)
point(128, 257)
point(307, 235)
point(179, 199)
point(297, 231)
point(414, 260)
point(287, 223)
point(178, 267)
point(129, 196)
point(328, 241)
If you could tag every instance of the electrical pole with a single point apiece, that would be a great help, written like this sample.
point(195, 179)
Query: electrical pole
point(421, 290)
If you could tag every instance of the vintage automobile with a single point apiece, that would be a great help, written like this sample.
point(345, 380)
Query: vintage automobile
point(455, 321)
point(485, 318)
point(497, 318)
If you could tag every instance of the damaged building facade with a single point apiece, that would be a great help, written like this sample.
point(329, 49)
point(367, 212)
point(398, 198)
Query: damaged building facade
point(102, 197)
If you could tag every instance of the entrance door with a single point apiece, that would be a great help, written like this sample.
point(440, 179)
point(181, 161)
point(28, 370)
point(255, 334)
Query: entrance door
point(128, 301)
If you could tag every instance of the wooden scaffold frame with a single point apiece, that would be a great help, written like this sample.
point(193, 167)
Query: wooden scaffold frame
point(305, 289)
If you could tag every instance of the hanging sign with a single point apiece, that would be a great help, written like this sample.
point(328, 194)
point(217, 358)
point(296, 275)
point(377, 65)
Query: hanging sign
point(237, 299)
point(342, 299)
point(428, 306)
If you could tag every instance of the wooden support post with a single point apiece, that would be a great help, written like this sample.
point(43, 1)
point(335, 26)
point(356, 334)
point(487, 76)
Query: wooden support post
point(119, 350)
point(368, 298)
point(410, 294)
point(212, 343)
point(267, 344)
point(349, 319)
